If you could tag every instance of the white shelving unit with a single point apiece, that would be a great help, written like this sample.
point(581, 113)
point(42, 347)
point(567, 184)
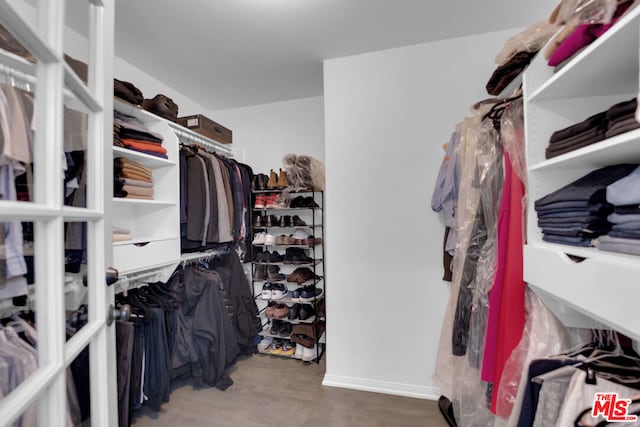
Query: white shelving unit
point(584, 287)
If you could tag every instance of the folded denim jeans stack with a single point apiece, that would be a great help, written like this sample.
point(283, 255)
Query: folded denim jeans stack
point(131, 133)
point(624, 236)
point(618, 119)
point(577, 213)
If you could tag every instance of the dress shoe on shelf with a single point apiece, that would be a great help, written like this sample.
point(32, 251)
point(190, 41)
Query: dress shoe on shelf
point(305, 312)
point(308, 202)
point(285, 330)
point(268, 311)
point(293, 311)
point(297, 202)
point(260, 181)
point(280, 239)
point(297, 222)
point(273, 273)
point(257, 221)
point(272, 183)
point(281, 311)
point(261, 272)
point(272, 221)
point(282, 179)
point(274, 257)
point(296, 256)
point(285, 221)
point(276, 327)
point(301, 275)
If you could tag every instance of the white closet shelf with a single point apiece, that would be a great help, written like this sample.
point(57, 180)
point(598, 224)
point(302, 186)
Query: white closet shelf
point(142, 158)
point(142, 202)
point(624, 148)
point(584, 293)
point(600, 69)
point(144, 240)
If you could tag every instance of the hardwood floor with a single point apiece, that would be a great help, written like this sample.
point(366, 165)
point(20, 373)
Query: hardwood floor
point(270, 391)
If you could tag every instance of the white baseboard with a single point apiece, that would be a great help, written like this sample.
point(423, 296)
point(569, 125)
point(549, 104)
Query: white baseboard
point(384, 387)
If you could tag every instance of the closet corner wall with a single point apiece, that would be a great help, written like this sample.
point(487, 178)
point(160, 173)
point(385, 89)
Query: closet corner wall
point(584, 287)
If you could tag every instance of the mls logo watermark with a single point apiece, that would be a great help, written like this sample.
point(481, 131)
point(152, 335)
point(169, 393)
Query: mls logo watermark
point(612, 408)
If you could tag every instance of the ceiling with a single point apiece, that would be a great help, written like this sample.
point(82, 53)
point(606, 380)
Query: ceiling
point(233, 53)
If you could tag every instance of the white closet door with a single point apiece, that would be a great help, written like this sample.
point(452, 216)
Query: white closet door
point(43, 393)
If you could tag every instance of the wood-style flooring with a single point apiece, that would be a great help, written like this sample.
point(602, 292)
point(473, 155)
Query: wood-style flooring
point(270, 391)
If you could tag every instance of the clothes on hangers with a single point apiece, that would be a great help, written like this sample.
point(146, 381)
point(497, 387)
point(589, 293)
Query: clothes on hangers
point(214, 199)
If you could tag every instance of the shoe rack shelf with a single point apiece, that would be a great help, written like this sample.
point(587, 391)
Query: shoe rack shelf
point(313, 216)
point(584, 287)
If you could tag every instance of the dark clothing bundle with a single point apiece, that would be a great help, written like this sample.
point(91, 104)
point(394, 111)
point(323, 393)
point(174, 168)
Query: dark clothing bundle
point(205, 343)
point(505, 74)
point(131, 133)
point(214, 199)
point(624, 236)
point(577, 213)
point(238, 300)
point(618, 119)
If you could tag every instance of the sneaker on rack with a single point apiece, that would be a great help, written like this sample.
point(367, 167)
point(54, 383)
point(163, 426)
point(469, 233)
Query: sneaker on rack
point(276, 327)
point(308, 354)
point(276, 347)
point(294, 311)
point(265, 344)
point(259, 238)
point(269, 239)
point(297, 222)
point(295, 295)
point(288, 348)
point(278, 290)
point(267, 291)
point(260, 202)
point(270, 201)
point(306, 312)
point(299, 351)
point(285, 331)
point(273, 273)
point(311, 293)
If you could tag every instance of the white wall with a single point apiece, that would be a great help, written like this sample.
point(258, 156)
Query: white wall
point(262, 134)
point(387, 115)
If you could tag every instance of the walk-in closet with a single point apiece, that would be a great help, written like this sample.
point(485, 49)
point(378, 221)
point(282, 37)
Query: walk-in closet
point(319, 213)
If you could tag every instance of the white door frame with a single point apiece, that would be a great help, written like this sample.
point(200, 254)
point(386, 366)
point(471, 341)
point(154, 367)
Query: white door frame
point(55, 79)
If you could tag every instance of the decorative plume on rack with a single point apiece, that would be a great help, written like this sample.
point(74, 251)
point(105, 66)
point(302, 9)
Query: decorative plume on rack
point(188, 136)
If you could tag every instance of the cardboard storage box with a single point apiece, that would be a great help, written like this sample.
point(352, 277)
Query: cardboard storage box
point(207, 127)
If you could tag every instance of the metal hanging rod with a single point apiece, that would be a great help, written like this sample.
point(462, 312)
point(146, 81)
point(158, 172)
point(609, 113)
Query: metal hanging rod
point(190, 136)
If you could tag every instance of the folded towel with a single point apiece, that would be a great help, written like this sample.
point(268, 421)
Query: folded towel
point(115, 237)
point(138, 182)
point(133, 190)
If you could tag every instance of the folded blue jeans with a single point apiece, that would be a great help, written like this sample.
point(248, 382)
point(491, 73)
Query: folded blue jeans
point(615, 244)
point(616, 218)
point(564, 240)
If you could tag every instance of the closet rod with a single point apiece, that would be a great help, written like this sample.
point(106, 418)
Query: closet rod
point(190, 136)
point(199, 256)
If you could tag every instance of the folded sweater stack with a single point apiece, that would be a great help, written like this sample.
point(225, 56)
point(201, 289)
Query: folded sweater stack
point(120, 234)
point(132, 180)
point(618, 119)
point(131, 133)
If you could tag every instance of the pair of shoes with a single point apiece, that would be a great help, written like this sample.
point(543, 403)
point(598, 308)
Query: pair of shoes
point(276, 310)
point(307, 294)
point(269, 257)
point(307, 354)
point(285, 240)
point(303, 202)
point(273, 273)
point(260, 272)
point(296, 256)
point(303, 238)
point(274, 291)
point(259, 182)
point(277, 181)
point(271, 201)
point(281, 328)
point(263, 239)
point(301, 312)
point(301, 275)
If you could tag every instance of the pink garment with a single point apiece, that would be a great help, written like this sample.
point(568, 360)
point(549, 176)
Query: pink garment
point(510, 323)
point(495, 294)
point(583, 36)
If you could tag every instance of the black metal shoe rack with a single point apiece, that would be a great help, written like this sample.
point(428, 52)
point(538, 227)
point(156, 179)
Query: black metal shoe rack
point(314, 217)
